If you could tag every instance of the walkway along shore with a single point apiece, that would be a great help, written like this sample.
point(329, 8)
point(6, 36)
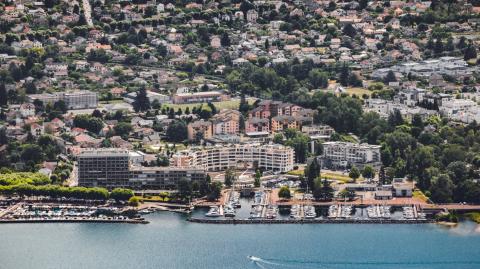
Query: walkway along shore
point(308, 221)
point(128, 221)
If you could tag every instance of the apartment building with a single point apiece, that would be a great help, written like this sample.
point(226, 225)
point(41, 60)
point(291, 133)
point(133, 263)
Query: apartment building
point(275, 158)
point(255, 125)
point(226, 122)
point(109, 168)
point(113, 168)
point(199, 97)
point(283, 122)
point(344, 154)
point(199, 128)
point(73, 100)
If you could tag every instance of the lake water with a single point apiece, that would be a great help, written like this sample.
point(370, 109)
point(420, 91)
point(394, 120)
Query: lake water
point(171, 242)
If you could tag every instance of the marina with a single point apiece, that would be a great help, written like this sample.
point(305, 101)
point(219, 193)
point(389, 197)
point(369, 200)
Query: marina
point(42, 212)
point(257, 209)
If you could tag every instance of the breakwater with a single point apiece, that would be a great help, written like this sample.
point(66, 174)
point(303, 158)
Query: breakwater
point(309, 221)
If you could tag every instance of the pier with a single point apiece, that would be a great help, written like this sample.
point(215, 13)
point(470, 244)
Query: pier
point(310, 221)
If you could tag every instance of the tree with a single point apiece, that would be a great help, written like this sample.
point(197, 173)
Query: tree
point(215, 191)
point(442, 189)
point(318, 79)
point(368, 172)
point(88, 122)
point(141, 102)
point(225, 40)
point(229, 177)
point(133, 201)
point(177, 131)
point(323, 190)
point(184, 188)
point(347, 194)
point(258, 175)
point(3, 95)
point(284, 192)
point(354, 173)
point(470, 53)
point(349, 30)
point(344, 75)
point(312, 171)
point(120, 194)
point(123, 129)
point(390, 77)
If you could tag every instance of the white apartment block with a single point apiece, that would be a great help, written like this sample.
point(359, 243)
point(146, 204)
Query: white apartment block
point(343, 154)
point(384, 108)
point(276, 158)
point(463, 110)
point(73, 100)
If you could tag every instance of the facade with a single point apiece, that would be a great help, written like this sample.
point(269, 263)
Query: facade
point(283, 122)
point(73, 100)
point(344, 154)
point(200, 126)
point(226, 122)
point(254, 125)
point(113, 168)
point(199, 97)
point(276, 158)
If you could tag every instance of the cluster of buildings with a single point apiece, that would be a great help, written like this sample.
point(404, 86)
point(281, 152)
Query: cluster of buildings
point(451, 66)
point(276, 116)
point(119, 168)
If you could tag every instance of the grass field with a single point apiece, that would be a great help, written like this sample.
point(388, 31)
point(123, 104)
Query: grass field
point(230, 104)
point(474, 216)
point(420, 195)
point(328, 175)
point(358, 91)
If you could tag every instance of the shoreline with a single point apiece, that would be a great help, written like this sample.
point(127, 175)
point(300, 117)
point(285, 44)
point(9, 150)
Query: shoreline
point(127, 221)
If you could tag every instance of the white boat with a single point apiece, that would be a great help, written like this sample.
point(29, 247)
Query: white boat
point(213, 212)
point(229, 211)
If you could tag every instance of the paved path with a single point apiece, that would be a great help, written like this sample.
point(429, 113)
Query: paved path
point(87, 12)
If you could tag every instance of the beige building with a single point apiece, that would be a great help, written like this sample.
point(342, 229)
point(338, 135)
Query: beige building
point(275, 158)
point(199, 128)
point(226, 122)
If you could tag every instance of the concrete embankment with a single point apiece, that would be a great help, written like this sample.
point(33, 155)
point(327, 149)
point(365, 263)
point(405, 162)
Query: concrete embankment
point(128, 221)
point(306, 221)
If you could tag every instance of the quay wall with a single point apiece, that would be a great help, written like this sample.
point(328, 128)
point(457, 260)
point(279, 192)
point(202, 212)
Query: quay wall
point(129, 221)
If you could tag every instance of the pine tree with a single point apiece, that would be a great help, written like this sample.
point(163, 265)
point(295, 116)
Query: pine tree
point(3, 95)
point(141, 103)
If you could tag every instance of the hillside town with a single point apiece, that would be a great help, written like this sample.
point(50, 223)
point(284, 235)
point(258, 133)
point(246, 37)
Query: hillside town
point(363, 101)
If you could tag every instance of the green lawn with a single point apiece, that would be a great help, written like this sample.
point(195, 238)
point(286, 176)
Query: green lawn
point(420, 195)
point(358, 91)
point(474, 216)
point(230, 104)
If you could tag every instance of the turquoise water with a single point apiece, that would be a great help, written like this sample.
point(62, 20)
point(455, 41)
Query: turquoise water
point(170, 242)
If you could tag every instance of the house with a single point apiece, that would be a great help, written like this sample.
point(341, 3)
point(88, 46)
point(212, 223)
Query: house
point(36, 129)
point(402, 187)
point(252, 16)
point(27, 110)
point(215, 42)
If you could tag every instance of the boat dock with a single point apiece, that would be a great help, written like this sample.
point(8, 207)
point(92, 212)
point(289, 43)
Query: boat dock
point(310, 221)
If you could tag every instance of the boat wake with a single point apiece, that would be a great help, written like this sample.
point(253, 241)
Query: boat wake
point(284, 263)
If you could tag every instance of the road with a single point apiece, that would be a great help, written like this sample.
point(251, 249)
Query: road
point(87, 11)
